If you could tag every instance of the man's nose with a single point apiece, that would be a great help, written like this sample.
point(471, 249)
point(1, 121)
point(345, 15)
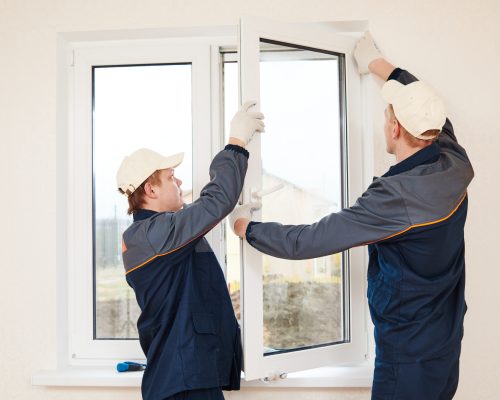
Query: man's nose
point(179, 182)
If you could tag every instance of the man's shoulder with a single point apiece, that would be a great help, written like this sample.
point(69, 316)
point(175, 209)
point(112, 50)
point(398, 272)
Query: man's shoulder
point(433, 191)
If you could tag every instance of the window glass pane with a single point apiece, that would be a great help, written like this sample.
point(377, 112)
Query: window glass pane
point(301, 150)
point(134, 106)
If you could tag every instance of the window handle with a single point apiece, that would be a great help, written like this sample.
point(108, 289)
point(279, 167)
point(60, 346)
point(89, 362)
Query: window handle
point(258, 195)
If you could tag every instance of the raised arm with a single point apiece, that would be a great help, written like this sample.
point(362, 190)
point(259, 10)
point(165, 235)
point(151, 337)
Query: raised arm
point(370, 59)
point(377, 215)
point(386, 71)
point(169, 231)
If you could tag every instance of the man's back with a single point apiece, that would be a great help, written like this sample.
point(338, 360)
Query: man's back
point(416, 289)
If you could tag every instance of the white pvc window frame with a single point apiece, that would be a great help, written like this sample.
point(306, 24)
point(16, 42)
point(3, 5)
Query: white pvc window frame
point(82, 345)
point(200, 47)
point(273, 366)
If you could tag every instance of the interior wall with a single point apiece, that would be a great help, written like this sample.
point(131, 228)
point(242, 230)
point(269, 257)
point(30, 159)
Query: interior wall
point(453, 45)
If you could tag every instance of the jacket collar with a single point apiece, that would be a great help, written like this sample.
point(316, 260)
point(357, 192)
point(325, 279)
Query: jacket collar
point(143, 214)
point(427, 155)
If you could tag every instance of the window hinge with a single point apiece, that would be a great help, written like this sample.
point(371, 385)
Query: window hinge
point(274, 376)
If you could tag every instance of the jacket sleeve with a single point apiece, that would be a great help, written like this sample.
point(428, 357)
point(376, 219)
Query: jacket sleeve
point(404, 77)
point(378, 214)
point(167, 232)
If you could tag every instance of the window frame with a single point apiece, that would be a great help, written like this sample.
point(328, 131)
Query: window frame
point(314, 36)
point(76, 346)
point(81, 343)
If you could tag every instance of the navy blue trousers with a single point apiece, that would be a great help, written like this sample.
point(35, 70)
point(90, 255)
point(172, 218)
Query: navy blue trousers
point(428, 380)
point(200, 394)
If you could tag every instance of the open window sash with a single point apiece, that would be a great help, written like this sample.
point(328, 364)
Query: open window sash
point(260, 41)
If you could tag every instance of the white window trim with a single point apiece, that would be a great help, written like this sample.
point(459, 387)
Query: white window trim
point(79, 243)
point(357, 375)
point(319, 37)
point(72, 371)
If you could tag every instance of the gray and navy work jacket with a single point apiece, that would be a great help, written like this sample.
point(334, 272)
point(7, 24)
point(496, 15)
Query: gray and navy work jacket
point(413, 220)
point(187, 327)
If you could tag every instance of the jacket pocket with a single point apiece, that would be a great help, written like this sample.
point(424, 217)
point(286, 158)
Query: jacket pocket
point(199, 356)
point(379, 295)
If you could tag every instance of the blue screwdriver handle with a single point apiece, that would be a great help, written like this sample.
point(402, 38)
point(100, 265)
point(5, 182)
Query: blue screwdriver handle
point(127, 366)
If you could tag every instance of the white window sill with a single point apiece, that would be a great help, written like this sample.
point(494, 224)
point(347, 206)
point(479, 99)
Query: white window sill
point(359, 375)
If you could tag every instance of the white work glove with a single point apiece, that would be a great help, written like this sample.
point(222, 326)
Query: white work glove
point(245, 123)
point(244, 211)
point(365, 52)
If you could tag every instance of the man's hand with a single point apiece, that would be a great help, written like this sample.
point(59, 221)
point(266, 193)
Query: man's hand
point(245, 123)
point(240, 217)
point(365, 52)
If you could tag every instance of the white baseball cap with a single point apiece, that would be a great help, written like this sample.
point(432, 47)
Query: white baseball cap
point(140, 165)
point(416, 106)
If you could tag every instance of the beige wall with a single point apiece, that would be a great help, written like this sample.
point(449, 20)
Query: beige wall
point(454, 45)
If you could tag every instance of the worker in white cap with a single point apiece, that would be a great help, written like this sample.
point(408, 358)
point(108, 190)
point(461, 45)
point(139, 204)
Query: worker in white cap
point(187, 327)
point(412, 219)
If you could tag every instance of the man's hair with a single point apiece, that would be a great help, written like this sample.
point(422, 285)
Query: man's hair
point(430, 135)
point(136, 199)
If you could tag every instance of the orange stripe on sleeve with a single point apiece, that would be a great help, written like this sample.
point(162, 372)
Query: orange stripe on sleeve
point(171, 251)
point(420, 225)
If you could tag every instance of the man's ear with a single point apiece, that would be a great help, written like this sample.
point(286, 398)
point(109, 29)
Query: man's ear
point(149, 191)
point(396, 129)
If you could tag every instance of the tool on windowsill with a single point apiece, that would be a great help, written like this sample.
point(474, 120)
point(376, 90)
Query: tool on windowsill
point(128, 366)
